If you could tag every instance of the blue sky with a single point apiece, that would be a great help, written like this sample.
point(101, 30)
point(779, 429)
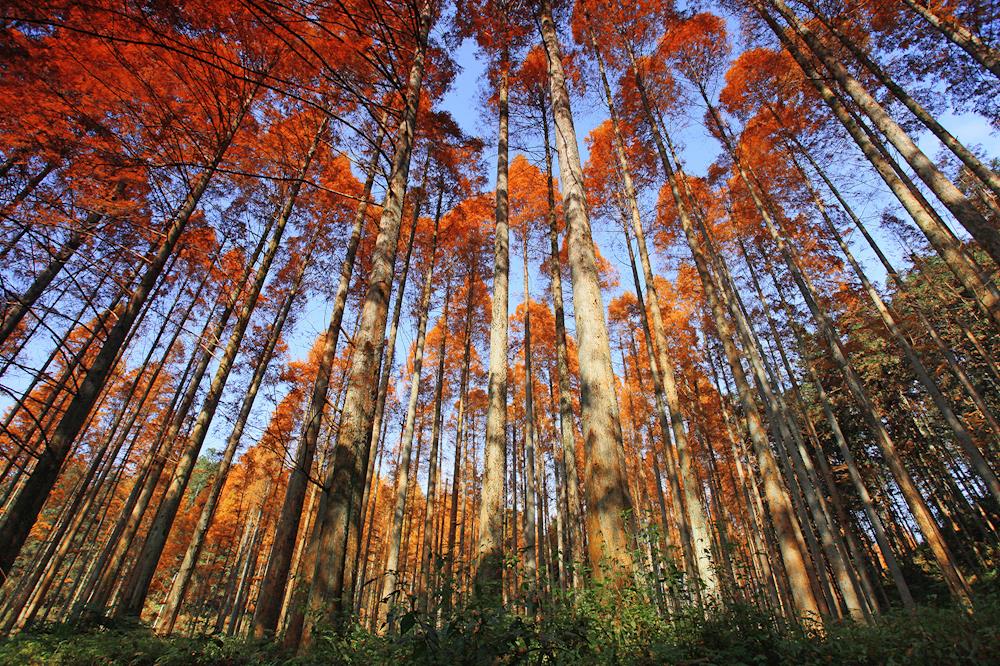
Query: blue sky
point(465, 101)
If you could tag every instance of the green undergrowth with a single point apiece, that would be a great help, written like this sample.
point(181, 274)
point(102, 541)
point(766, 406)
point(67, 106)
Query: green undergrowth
point(591, 628)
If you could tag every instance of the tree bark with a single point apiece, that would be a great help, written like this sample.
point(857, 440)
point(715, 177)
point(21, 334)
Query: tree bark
point(608, 500)
point(489, 558)
point(331, 595)
point(17, 523)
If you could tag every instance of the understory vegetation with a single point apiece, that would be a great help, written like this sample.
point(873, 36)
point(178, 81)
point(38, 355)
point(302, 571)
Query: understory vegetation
point(596, 626)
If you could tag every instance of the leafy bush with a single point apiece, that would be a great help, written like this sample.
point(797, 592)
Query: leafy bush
point(599, 625)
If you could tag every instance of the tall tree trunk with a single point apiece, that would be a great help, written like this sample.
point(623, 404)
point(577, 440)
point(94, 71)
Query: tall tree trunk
point(434, 469)
point(275, 581)
point(489, 558)
point(673, 476)
point(530, 488)
point(332, 589)
point(460, 436)
point(391, 581)
point(608, 500)
point(567, 422)
point(17, 523)
point(696, 516)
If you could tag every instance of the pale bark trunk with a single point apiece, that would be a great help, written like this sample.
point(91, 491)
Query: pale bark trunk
point(338, 524)
point(608, 500)
point(530, 486)
point(275, 581)
point(567, 421)
point(673, 476)
point(434, 469)
point(460, 435)
point(489, 556)
point(696, 516)
point(391, 580)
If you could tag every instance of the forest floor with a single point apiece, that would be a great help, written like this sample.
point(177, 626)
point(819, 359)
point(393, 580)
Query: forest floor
point(585, 634)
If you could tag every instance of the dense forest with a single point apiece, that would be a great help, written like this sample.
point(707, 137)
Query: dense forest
point(499, 331)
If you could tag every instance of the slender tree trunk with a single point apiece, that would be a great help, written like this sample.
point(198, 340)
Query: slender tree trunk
point(676, 495)
point(608, 500)
point(17, 523)
point(275, 581)
point(332, 589)
point(489, 563)
point(567, 421)
point(434, 470)
point(390, 583)
point(460, 435)
point(530, 489)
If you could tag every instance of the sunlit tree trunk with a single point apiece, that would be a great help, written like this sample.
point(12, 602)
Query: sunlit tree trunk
point(390, 584)
point(567, 422)
point(696, 516)
point(490, 548)
point(608, 500)
point(531, 524)
point(339, 522)
point(460, 436)
point(275, 581)
point(434, 469)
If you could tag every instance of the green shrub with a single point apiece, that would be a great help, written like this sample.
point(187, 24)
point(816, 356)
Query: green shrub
point(598, 625)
